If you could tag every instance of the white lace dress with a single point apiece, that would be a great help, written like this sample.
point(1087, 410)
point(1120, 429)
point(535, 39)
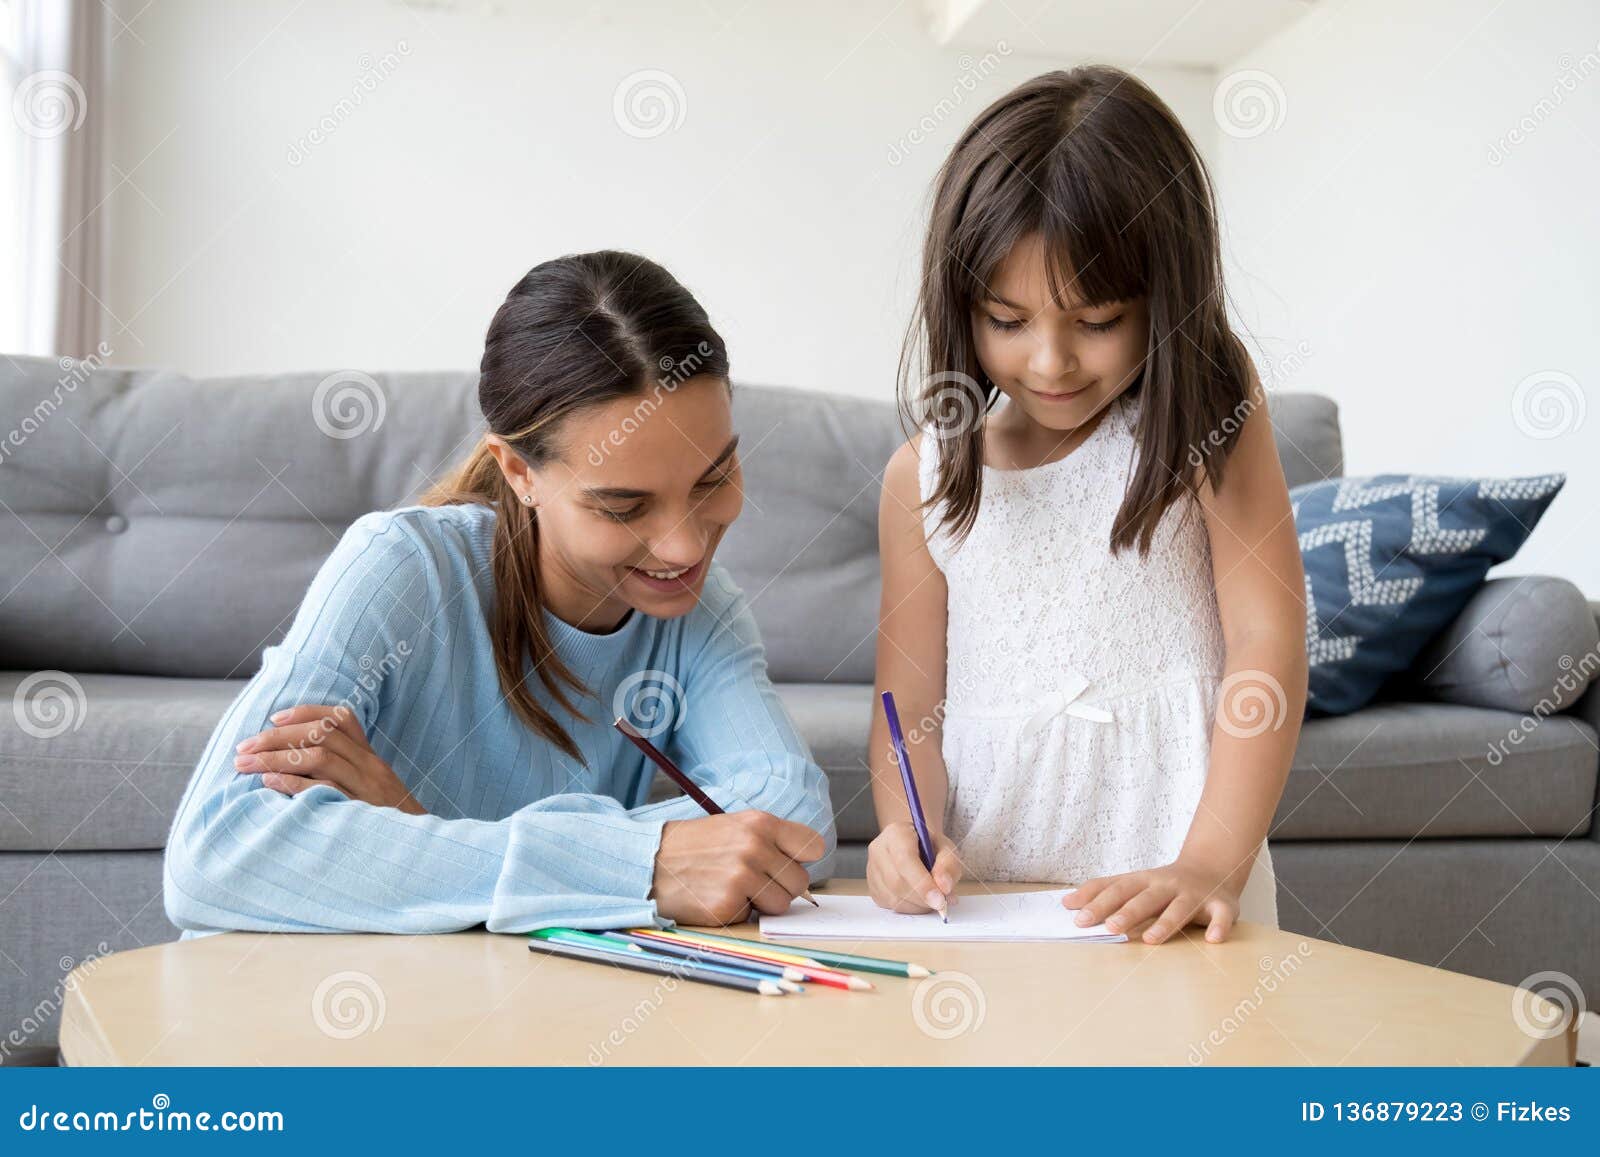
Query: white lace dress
point(1080, 685)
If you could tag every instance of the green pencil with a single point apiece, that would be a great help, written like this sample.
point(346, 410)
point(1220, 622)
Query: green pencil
point(831, 959)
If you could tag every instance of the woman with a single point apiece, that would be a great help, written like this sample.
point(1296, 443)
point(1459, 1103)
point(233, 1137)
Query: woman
point(431, 747)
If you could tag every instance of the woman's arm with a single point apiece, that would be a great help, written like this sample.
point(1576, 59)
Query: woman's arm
point(911, 664)
point(739, 744)
point(241, 855)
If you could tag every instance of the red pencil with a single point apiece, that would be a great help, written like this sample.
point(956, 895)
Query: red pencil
point(677, 776)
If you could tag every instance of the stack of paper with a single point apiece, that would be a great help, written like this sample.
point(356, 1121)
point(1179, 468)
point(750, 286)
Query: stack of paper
point(976, 915)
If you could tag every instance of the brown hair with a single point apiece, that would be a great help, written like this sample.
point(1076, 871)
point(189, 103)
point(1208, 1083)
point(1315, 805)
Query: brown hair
point(1099, 168)
point(575, 332)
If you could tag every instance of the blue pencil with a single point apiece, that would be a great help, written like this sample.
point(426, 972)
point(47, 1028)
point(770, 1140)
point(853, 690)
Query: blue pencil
point(914, 801)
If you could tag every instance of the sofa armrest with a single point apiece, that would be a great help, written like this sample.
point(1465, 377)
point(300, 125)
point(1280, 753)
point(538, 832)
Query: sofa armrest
point(1588, 709)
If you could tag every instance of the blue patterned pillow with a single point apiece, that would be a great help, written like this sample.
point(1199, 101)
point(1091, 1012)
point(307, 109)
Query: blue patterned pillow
point(1391, 560)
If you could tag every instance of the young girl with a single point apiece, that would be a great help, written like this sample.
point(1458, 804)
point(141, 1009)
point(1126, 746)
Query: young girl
point(431, 747)
point(1093, 615)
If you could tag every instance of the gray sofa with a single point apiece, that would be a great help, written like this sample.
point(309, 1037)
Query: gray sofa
point(157, 532)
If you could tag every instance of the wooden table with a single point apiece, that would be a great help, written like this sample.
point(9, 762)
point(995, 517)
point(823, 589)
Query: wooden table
point(1262, 998)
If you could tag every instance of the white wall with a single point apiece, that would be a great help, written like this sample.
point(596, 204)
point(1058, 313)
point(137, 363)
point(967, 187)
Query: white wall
point(491, 143)
point(1423, 219)
point(1376, 251)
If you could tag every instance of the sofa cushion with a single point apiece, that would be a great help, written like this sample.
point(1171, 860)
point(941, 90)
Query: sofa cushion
point(1398, 770)
point(1306, 429)
point(99, 761)
point(1524, 644)
point(834, 719)
point(1389, 560)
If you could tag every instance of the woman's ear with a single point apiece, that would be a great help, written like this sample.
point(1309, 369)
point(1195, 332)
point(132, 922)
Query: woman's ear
point(518, 474)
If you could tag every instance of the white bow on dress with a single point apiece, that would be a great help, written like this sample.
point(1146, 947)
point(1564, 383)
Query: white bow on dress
point(1053, 703)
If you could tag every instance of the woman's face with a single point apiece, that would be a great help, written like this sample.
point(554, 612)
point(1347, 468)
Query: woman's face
point(1059, 362)
point(632, 510)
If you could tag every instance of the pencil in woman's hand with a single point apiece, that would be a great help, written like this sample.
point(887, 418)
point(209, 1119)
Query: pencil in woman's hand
point(677, 775)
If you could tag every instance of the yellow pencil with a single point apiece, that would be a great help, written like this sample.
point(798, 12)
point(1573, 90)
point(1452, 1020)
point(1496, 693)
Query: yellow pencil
point(753, 947)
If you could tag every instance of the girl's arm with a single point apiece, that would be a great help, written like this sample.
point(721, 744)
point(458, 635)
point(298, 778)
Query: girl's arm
point(910, 663)
point(1255, 557)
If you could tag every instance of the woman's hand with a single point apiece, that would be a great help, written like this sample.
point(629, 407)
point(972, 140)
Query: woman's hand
point(1167, 899)
point(896, 878)
point(716, 869)
point(318, 744)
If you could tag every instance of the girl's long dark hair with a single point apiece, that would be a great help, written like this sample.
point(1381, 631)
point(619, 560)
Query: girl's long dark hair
point(1098, 167)
point(575, 332)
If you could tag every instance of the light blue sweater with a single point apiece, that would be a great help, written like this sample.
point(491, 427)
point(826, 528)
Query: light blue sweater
point(396, 625)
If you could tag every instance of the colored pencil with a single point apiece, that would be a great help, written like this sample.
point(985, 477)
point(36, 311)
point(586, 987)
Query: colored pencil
point(830, 977)
point(676, 775)
point(641, 962)
point(913, 801)
point(599, 943)
point(699, 952)
point(841, 959)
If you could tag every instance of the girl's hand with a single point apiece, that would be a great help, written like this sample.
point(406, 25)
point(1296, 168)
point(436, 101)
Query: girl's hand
point(896, 878)
point(1169, 898)
point(319, 744)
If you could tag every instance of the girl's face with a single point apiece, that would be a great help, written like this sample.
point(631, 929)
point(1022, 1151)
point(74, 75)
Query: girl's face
point(1059, 362)
point(632, 510)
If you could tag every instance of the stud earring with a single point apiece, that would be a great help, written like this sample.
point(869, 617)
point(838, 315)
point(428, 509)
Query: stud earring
point(527, 500)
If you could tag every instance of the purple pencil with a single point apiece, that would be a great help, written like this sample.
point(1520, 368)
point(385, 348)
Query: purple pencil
point(918, 821)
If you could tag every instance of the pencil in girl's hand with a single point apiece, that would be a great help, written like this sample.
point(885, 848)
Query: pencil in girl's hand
point(640, 962)
point(913, 801)
point(676, 775)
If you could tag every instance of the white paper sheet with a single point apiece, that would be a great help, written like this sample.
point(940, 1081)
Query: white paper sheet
point(975, 915)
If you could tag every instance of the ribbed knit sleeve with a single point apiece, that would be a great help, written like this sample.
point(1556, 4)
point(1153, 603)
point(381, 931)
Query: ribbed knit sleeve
point(736, 738)
point(369, 635)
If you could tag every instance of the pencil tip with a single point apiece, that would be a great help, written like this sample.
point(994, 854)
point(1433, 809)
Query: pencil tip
point(861, 985)
point(810, 897)
point(767, 988)
point(916, 971)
